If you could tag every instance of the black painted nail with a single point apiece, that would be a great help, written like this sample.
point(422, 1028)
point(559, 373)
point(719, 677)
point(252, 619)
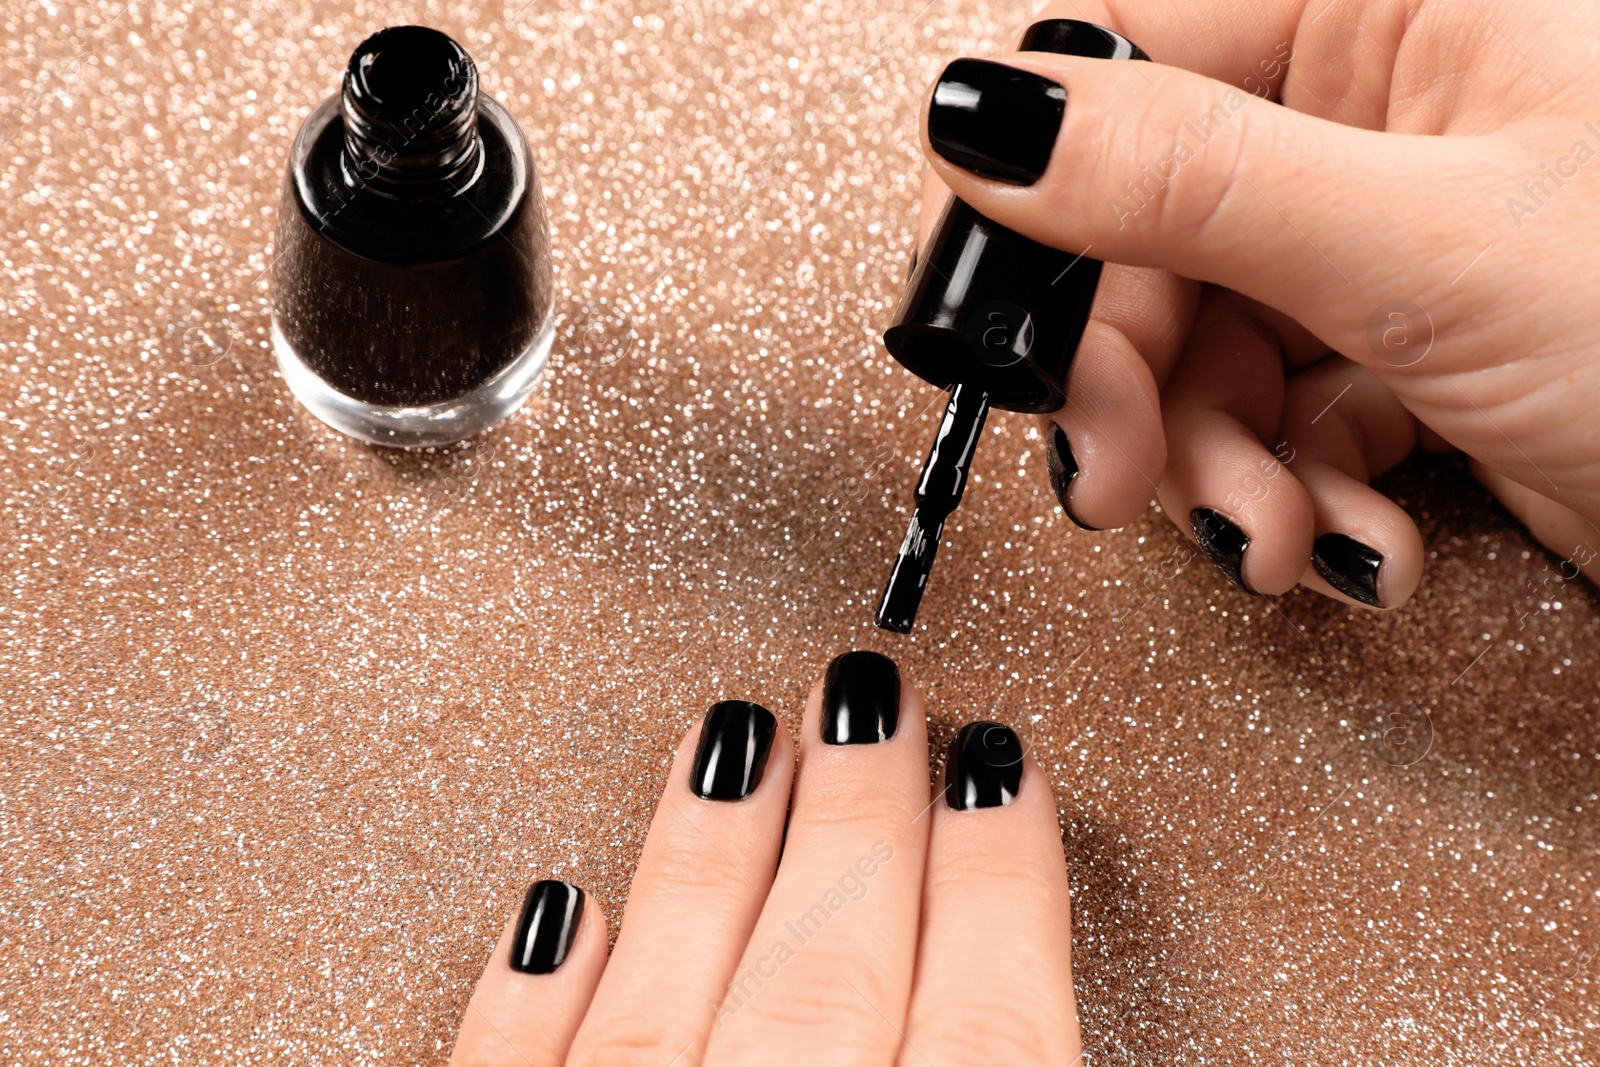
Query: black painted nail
point(984, 768)
point(996, 121)
point(547, 926)
point(860, 699)
point(1349, 566)
point(1063, 467)
point(1223, 541)
point(732, 753)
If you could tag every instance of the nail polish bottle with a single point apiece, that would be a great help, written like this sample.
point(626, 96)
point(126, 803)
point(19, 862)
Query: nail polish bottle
point(995, 318)
point(412, 286)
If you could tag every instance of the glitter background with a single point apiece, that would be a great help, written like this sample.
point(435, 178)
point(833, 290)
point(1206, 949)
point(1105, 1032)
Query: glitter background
point(289, 721)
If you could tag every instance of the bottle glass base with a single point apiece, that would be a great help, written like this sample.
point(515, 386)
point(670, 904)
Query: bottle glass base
point(421, 426)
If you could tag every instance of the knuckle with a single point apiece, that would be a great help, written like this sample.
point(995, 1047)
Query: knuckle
point(833, 989)
point(690, 870)
point(1031, 887)
point(1191, 205)
point(813, 1001)
point(990, 1030)
point(847, 809)
point(625, 1042)
point(842, 818)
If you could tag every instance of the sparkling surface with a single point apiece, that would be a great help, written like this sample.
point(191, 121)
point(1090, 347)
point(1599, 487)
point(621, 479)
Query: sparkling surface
point(289, 722)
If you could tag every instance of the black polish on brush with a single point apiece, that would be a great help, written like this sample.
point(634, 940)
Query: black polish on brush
point(860, 699)
point(546, 927)
point(1223, 541)
point(984, 767)
point(1349, 566)
point(995, 319)
point(732, 754)
point(944, 479)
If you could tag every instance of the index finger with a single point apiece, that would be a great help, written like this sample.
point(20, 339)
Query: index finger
point(1229, 40)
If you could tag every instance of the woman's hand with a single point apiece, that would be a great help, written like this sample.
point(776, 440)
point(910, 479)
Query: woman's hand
point(1399, 254)
point(900, 925)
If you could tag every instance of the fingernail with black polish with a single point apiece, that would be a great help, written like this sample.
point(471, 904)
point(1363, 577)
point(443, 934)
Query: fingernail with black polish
point(860, 699)
point(732, 753)
point(1349, 566)
point(1063, 467)
point(1223, 541)
point(996, 121)
point(547, 926)
point(984, 767)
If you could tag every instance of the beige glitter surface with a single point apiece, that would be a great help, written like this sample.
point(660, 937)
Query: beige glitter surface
point(288, 721)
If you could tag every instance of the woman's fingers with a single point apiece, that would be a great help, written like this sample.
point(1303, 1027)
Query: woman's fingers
point(1158, 166)
point(1105, 449)
point(994, 970)
point(1208, 36)
point(1341, 427)
point(1223, 483)
point(703, 876)
point(1271, 475)
point(1563, 531)
point(533, 993)
point(827, 973)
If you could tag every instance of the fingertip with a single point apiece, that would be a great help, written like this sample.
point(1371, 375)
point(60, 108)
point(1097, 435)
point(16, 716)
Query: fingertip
point(590, 927)
point(1557, 527)
point(1377, 565)
point(1279, 561)
point(754, 731)
point(539, 979)
point(594, 931)
point(912, 704)
point(1037, 782)
point(1105, 451)
point(1240, 504)
point(585, 956)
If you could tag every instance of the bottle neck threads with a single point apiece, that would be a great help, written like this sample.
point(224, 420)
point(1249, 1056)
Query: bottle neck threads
point(410, 109)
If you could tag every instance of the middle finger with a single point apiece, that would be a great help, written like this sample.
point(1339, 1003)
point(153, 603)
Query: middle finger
point(827, 974)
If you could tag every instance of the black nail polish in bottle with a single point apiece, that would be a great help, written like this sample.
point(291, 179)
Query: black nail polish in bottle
point(995, 318)
point(412, 287)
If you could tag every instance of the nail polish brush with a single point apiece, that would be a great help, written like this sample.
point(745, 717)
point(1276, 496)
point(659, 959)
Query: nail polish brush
point(944, 478)
point(995, 318)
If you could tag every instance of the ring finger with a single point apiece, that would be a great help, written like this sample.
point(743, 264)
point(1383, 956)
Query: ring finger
point(994, 969)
